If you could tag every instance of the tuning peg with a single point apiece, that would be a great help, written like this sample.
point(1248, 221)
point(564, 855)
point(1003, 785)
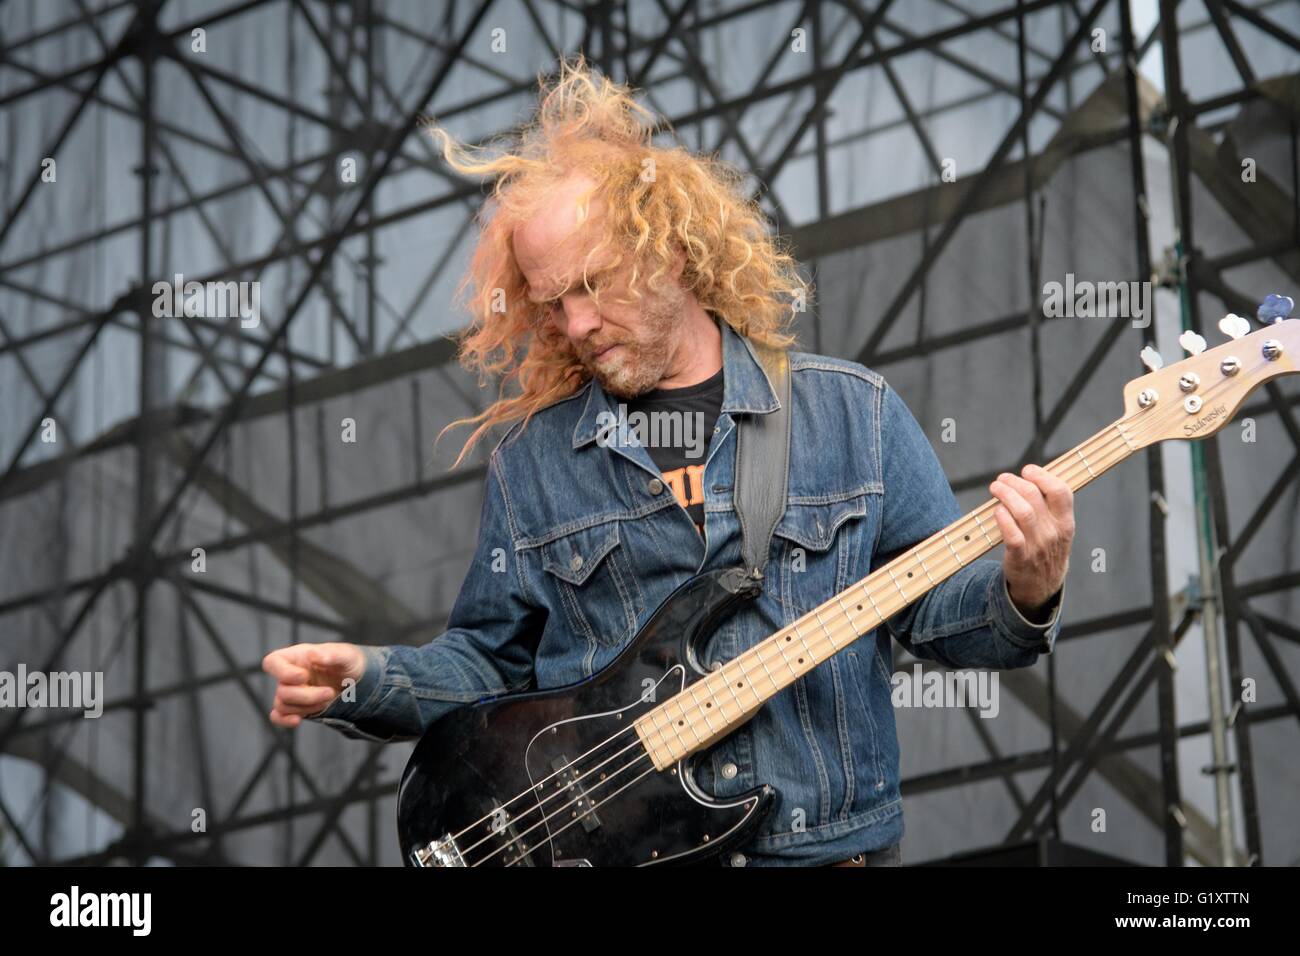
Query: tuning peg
point(1234, 326)
point(1192, 343)
point(1151, 359)
point(1274, 308)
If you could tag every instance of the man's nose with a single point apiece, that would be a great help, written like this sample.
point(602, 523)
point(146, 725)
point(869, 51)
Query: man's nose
point(580, 316)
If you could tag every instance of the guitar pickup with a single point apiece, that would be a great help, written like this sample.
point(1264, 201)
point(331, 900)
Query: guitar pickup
point(580, 805)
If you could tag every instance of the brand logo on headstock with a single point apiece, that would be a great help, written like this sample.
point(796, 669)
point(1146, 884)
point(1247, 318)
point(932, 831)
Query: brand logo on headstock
point(1209, 418)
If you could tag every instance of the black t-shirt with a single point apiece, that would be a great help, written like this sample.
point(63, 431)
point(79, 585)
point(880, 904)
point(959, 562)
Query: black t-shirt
point(675, 425)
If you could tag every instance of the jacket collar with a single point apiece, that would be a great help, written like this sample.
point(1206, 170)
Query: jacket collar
point(745, 388)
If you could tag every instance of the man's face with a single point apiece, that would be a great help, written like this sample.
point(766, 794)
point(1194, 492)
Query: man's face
point(626, 344)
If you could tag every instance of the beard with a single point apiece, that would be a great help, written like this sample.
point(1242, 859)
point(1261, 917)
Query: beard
point(640, 361)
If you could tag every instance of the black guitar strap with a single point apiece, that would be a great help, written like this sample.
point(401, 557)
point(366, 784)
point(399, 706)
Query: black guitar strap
point(763, 465)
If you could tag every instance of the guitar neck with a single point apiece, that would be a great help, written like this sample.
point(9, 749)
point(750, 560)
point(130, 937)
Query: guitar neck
point(714, 706)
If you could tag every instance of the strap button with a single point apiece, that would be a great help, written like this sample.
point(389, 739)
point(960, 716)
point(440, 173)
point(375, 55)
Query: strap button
point(738, 859)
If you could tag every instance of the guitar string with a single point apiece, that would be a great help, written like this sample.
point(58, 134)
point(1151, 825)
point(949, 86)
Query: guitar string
point(577, 817)
point(1108, 445)
point(495, 831)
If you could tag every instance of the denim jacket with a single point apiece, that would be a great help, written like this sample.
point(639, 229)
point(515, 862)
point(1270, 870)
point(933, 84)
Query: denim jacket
point(580, 541)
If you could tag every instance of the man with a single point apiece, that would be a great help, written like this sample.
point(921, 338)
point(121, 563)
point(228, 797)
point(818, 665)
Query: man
point(612, 278)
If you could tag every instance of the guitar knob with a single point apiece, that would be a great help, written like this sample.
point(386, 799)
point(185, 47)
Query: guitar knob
point(1233, 326)
point(1151, 359)
point(1274, 308)
point(1192, 343)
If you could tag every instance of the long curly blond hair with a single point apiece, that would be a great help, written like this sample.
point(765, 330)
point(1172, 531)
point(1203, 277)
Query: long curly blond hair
point(658, 202)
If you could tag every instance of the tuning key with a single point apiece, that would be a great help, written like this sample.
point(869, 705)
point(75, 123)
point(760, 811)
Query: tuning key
point(1192, 343)
point(1274, 308)
point(1234, 326)
point(1151, 359)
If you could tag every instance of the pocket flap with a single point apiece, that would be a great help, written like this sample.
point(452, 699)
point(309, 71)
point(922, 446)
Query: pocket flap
point(574, 556)
point(814, 526)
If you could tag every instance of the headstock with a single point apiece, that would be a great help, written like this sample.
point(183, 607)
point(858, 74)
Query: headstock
point(1196, 397)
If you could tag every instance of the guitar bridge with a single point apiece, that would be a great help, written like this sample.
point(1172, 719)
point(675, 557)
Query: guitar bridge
point(442, 852)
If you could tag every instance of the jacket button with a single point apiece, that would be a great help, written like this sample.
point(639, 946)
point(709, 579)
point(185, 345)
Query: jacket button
point(717, 666)
point(738, 859)
point(655, 486)
point(729, 770)
point(576, 563)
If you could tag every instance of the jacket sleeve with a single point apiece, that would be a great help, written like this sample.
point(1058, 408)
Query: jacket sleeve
point(968, 620)
point(487, 649)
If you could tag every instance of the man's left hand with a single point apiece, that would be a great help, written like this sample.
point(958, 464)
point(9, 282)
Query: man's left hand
point(1036, 518)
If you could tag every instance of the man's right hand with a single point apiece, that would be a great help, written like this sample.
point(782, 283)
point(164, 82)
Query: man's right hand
point(310, 677)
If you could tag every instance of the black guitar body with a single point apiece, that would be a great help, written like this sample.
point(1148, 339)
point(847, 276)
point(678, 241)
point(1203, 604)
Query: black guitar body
point(559, 777)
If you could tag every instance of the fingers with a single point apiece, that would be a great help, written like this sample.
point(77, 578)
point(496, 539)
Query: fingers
point(335, 656)
point(289, 665)
point(1016, 516)
point(1055, 491)
point(299, 691)
point(1012, 536)
point(281, 719)
point(298, 696)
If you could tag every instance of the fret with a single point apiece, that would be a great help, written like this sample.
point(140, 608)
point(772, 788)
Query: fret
point(770, 678)
point(674, 725)
point(703, 710)
point(960, 562)
point(890, 571)
point(867, 593)
point(980, 524)
point(921, 564)
point(853, 624)
point(780, 647)
point(1079, 452)
point(723, 674)
point(822, 624)
point(1120, 428)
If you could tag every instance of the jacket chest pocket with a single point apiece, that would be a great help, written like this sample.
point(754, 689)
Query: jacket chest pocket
point(820, 549)
point(592, 580)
